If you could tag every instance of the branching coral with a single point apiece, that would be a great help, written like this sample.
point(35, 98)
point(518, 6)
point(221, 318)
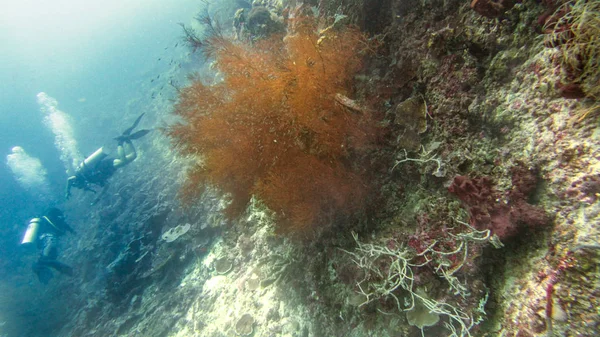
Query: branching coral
point(388, 270)
point(191, 38)
point(448, 263)
point(273, 127)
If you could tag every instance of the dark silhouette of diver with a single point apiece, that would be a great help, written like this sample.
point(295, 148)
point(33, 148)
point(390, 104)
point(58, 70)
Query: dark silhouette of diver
point(98, 167)
point(44, 231)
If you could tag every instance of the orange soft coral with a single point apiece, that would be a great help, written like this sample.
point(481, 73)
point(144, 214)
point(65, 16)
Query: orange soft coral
point(273, 128)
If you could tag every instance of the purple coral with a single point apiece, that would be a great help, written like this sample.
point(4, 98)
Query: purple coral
point(487, 210)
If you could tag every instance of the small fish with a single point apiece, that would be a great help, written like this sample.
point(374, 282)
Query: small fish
point(152, 80)
point(176, 44)
point(159, 58)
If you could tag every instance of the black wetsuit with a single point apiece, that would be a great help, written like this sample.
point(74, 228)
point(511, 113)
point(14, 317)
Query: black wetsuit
point(99, 174)
point(47, 242)
point(92, 175)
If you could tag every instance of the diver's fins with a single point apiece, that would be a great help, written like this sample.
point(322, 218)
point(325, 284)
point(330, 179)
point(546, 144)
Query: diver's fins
point(139, 134)
point(126, 135)
point(43, 273)
point(59, 266)
point(137, 121)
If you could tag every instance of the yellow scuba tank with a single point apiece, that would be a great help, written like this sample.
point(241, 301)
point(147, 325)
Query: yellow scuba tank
point(31, 233)
point(93, 159)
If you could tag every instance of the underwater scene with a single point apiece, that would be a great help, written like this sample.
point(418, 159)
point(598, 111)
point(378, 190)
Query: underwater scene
point(326, 168)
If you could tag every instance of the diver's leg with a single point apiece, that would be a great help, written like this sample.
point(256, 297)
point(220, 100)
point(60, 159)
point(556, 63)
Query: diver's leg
point(59, 266)
point(50, 248)
point(137, 121)
point(126, 154)
point(44, 274)
point(130, 152)
point(48, 254)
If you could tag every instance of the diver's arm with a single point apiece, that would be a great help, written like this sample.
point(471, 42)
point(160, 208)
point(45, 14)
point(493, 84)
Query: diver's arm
point(61, 225)
point(73, 181)
point(70, 182)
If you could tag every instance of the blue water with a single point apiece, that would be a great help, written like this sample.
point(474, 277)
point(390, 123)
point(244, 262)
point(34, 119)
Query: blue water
point(94, 58)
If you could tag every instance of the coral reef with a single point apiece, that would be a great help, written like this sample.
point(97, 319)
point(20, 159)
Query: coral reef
point(175, 232)
point(243, 326)
point(273, 127)
point(491, 8)
point(586, 189)
point(388, 269)
point(574, 28)
point(223, 266)
point(488, 210)
point(487, 222)
point(258, 22)
point(410, 121)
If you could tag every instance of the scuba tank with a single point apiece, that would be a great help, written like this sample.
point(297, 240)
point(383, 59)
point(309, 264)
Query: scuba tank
point(32, 231)
point(92, 160)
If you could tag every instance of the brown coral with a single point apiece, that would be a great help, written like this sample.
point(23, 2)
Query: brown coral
point(273, 127)
point(488, 211)
point(491, 8)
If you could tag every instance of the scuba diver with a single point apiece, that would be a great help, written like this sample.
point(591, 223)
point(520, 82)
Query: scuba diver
point(44, 231)
point(98, 167)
